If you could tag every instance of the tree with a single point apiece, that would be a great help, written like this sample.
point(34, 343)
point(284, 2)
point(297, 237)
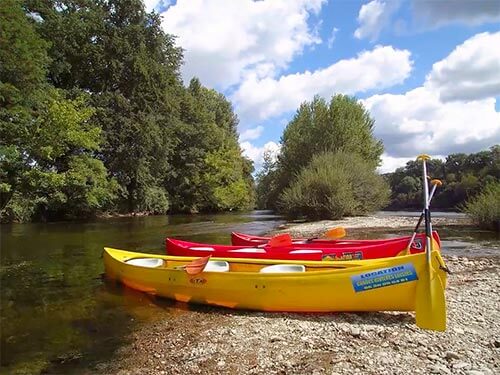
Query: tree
point(334, 185)
point(23, 61)
point(341, 125)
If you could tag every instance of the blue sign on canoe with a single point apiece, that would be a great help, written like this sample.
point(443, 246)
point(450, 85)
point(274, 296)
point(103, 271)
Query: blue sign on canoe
point(384, 277)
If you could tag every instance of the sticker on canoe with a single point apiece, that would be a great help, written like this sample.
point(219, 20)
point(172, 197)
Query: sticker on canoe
point(384, 277)
point(347, 255)
point(198, 280)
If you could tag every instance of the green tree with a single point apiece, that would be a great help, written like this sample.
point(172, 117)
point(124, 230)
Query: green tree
point(484, 209)
point(340, 125)
point(23, 61)
point(334, 185)
point(61, 178)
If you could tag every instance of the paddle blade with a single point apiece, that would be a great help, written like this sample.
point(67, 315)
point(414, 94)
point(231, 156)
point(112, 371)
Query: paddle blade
point(280, 240)
point(335, 233)
point(430, 307)
point(196, 266)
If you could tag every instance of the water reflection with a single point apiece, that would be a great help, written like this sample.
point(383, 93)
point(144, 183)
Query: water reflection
point(57, 315)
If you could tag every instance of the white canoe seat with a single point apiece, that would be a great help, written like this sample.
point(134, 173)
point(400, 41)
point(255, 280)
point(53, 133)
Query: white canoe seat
point(146, 262)
point(248, 250)
point(216, 266)
point(202, 248)
point(283, 268)
point(306, 251)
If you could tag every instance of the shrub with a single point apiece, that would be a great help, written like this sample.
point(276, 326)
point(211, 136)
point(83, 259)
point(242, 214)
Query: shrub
point(334, 185)
point(484, 209)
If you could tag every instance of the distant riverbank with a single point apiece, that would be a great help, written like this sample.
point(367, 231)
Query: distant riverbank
point(380, 221)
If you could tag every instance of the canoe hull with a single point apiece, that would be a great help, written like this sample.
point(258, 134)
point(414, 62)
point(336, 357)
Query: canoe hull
point(242, 239)
point(314, 252)
point(324, 287)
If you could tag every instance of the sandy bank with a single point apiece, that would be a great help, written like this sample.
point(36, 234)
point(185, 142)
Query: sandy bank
point(379, 222)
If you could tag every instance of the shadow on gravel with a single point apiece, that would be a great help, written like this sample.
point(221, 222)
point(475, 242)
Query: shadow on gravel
point(364, 318)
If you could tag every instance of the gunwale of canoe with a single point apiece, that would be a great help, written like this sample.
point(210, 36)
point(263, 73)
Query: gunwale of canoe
point(324, 287)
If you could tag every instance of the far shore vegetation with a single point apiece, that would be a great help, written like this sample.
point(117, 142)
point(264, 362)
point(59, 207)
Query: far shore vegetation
point(96, 120)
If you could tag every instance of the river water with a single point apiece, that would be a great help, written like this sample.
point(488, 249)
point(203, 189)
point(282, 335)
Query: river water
point(57, 313)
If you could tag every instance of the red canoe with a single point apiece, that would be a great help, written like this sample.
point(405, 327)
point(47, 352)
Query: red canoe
point(242, 239)
point(301, 251)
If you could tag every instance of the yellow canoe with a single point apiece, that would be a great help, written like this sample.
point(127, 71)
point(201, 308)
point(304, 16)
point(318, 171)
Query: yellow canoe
point(388, 284)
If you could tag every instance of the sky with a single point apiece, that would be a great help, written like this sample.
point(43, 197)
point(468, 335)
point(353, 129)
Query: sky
point(427, 70)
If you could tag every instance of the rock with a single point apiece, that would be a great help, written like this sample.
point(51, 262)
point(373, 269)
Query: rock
point(474, 372)
point(451, 355)
point(433, 357)
point(496, 343)
point(458, 330)
point(460, 365)
point(439, 369)
point(221, 363)
point(355, 332)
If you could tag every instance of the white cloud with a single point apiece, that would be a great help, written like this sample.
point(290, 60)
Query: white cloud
point(471, 71)
point(426, 120)
point(225, 39)
point(150, 4)
point(251, 134)
point(390, 164)
point(257, 153)
point(332, 37)
point(374, 17)
point(384, 66)
point(418, 122)
point(437, 13)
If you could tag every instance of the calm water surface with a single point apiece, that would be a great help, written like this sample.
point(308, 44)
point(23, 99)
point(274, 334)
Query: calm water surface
point(59, 316)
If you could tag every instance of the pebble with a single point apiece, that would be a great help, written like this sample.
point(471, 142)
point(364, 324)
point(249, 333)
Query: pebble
point(433, 357)
point(355, 332)
point(451, 355)
point(460, 365)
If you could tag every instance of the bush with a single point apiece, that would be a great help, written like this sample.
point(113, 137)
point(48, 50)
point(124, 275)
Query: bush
point(484, 209)
point(334, 185)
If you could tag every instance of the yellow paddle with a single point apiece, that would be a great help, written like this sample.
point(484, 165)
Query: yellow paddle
point(332, 234)
point(280, 240)
point(430, 304)
point(195, 266)
point(335, 233)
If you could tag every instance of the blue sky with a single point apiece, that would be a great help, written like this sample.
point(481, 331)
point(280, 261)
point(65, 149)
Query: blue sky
point(428, 71)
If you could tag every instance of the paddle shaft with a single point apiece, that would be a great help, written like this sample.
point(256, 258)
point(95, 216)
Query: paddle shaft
point(427, 214)
point(421, 217)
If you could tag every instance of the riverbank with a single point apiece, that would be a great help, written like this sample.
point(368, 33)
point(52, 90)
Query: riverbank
point(211, 340)
point(357, 224)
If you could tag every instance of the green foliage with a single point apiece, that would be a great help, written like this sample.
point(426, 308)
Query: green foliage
point(93, 87)
point(341, 125)
point(334, 185)
point(207, 171)
point(266, 182)
point(59, 175)
point(484, 209)
point(463, 177)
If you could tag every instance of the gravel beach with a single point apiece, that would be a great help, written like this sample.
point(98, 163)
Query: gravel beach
point(206, 340)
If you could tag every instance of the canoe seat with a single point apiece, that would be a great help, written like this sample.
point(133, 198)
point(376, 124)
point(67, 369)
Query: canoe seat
point(282, 268)
point(216, 266)
point(146, 262)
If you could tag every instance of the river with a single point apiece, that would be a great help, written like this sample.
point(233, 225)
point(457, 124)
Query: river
point(58, 315)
